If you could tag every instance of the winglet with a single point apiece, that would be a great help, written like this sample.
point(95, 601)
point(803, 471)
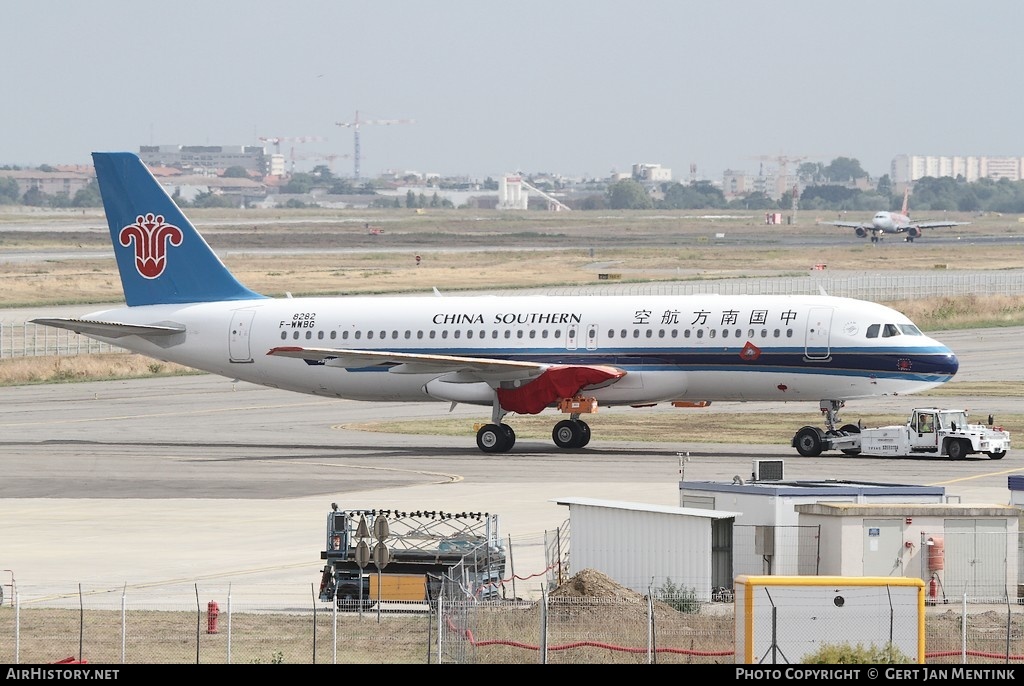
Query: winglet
point(160, 255)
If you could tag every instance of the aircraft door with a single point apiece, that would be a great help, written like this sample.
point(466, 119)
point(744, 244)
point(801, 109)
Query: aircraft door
point(817, 345)
point(238, 343)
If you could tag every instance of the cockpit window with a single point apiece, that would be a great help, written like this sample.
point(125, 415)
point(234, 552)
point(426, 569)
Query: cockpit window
point(910, 330)
point(890, 330)
point(873, 330)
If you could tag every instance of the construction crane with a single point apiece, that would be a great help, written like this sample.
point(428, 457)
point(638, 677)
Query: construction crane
point(357, 122)
point(277, 140)
point(329, 159)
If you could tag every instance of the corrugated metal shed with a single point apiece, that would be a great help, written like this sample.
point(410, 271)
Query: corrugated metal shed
point(649, 548)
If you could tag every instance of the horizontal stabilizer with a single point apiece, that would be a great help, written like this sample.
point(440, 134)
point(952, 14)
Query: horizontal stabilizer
point(91, 327)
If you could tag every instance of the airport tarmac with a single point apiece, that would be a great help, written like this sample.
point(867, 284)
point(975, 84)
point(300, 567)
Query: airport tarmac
point(163, 482)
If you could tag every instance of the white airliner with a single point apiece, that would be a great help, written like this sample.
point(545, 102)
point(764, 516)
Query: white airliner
point(514, 354)
point(893, 222)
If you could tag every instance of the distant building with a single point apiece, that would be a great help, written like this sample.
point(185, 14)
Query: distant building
point(651, 172)
point(907, 169)
point(49, 183)
point(211, 159)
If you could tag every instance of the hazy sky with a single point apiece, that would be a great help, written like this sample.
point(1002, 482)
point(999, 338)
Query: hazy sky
point(577, 87)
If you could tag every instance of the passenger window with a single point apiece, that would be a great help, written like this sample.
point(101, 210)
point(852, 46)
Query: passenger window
point(284, 335)
point(369, 335)
point(789, 333)
point(433, 334)
point(508, 334)
point(444, 334)
point(309, 335)
point(320, 335)
point(650, 333)
point(700, 333)
point(611, 333)
point(725, 333)
point(295, 335)
point(712, 333)
point(334, 335)
point(469, 333)
point(419, 334)
point(533, 333)
point(686, 333)
point(456, 333)
point(408, 334)
point(776, 333)
point(358, 334)
point(519, 333)
point(636, 333)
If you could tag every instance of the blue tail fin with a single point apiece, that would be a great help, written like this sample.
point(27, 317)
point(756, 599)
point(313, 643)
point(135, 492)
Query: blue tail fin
point(160, 255)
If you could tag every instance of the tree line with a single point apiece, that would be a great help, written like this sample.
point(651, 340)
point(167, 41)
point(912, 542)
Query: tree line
point(839, 186)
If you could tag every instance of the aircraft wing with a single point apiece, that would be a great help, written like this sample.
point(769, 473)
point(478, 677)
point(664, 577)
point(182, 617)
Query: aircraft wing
point(542, 384)
point(937, 225)
point(849, 225)
point(92, 327)
point(468, 368)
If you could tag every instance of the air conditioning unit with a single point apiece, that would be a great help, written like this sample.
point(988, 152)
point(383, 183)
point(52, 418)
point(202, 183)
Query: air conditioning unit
point(767, 470)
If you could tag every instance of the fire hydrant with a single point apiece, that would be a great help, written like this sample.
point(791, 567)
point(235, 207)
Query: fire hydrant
point(212, 611)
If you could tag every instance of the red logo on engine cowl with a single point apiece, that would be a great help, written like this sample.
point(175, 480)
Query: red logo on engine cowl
point(151, 236)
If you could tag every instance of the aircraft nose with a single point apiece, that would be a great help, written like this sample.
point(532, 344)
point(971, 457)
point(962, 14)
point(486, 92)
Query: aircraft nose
point(948, 364)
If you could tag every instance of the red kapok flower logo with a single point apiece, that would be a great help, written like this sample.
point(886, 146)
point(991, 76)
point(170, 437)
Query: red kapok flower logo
point(151, 237)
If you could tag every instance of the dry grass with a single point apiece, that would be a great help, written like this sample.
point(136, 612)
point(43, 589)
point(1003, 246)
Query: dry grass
point(58, 369)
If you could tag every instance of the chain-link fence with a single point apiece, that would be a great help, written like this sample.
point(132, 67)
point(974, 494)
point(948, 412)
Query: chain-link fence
point(253, 624)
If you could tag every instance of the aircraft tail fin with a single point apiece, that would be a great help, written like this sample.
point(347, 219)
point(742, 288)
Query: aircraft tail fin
point(906, 202)
point(161, 256)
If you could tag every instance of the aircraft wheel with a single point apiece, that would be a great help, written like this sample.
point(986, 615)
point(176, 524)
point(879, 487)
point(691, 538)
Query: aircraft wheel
point(808, 441)
point(491, 438)
point(567, 434)
point(584, 433)
point(510, 436)
point(956, 450)
point(997, 455)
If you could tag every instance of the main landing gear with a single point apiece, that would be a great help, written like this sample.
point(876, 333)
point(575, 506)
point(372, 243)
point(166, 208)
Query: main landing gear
point(810, 440)
point(497, 437)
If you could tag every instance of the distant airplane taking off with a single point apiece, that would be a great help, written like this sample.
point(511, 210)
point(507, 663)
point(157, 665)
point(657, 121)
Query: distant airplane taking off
point(518, 354)
point(893, 222)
